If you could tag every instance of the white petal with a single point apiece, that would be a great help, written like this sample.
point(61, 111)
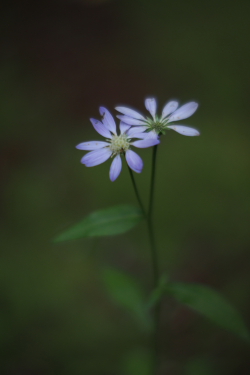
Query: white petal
point(184, 130)
point(151, 105)
point(146, 143)
point(130, 121)
point(135, 130)
point(100, 128)
point(96, 157)
point(92, 145)
point(152, 135)
point(130, 112)
point(183, 112)
point(108, 119)
point(134, 161)
point(140, 135)
point(169, 108)
point(124, 127)
point(115, 168)
point(146, 135)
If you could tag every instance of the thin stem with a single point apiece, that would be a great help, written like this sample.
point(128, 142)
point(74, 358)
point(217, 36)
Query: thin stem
point(152, 183)
point(150, 221)
point(137, 193)
point(154, 257)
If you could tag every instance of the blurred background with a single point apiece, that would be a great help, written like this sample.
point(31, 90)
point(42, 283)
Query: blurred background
point(60, 61)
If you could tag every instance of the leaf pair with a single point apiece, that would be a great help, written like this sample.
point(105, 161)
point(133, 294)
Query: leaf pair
point(200, 298)
point(128, 294)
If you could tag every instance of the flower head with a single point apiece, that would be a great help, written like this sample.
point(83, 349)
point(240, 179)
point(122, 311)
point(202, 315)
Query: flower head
point(115, 145)
point(156, 125)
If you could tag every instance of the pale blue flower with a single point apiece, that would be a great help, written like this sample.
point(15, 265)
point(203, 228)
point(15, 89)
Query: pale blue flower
point(157, 125)
point(115, 145)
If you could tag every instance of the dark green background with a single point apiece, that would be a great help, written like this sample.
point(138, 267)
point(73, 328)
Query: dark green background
point(60, 61)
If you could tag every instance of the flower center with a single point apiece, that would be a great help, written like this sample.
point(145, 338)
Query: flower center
point(157, 126)
point(119, 144)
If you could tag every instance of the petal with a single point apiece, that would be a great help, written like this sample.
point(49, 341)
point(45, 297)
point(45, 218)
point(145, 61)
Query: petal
point(115, 168)
point(169, 108)
point(140, 135)
point(146, 135)
point(108, 119)
point(151, 105)
point(134, 161)
point(135, 130)
point(92, 145)
point(130, 113)
point(124, 127)
point(184, 130)
point(131, 121)
point(100, 128)
point(146, 143)
point(96, 157)
point(183, 112)
point(152, 135)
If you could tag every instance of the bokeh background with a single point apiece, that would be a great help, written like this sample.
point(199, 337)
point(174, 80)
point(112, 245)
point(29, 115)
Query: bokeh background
point(60, 61)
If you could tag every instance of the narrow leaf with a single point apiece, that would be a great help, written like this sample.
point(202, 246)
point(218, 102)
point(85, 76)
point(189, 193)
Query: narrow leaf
point(139, 361)
point(108, 222)
point(210, 304)
point(157, 294)
point(127, 293)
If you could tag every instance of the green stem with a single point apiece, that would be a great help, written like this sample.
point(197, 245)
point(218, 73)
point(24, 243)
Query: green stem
point(137, 193)
point(149, 218)
point(150, 222)
point(154, 257)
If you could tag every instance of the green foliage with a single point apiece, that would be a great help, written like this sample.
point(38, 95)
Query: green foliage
point(157, 293)
point(201, 366)
point(138, 362)
point(127, 293)
point(210, 304)
point(108, 222)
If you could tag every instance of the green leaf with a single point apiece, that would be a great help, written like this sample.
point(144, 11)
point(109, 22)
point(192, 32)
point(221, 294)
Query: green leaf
point(127, 293)
point(210, 304)
point(108, 222)
point(201, 365)
point(139, 361)
point(157, 294)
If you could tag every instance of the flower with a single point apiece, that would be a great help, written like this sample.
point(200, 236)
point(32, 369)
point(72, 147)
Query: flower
point(157, 125)
point(115, 145)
